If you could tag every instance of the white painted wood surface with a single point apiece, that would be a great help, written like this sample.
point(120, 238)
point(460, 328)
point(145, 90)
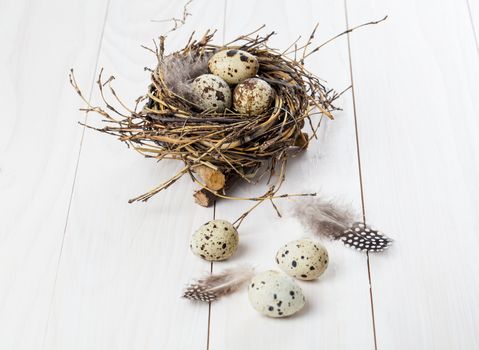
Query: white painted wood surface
point(80, 268)
point(39, 144)
point(417, 110)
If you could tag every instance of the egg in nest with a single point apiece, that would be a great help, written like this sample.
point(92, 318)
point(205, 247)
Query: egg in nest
point(211, 93)
point(233, 66)
point(253, 96)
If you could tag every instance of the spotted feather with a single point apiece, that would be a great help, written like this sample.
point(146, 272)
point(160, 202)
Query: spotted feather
point(364, 238)
point(213, 286)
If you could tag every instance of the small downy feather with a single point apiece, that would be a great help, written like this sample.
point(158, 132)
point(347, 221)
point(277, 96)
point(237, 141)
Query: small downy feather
point(180, 70)
point(324, 217)
point(337, 222)
point(212, 287)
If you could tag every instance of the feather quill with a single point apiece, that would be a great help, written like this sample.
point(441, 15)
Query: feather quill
point(212, 287)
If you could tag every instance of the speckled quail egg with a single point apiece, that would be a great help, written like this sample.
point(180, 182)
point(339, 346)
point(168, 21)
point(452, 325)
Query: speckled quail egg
point(233, 66)
point(274, 294)
point(253, 96)
point(216, 240)
point(304, 259)
point(211, 93)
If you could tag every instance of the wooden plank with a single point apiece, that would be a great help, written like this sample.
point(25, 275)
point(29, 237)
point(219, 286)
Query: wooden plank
point(338, 314)
point(124, 265)
point(39, 143)
point(416, 81)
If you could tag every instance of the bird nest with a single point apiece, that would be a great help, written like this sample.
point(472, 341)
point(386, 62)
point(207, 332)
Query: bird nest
point(220, 148)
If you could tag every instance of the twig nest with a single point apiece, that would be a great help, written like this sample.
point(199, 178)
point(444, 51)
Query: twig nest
point(274, 294)
point(303, 259)
point(211, 93)
point(233, 66)
point(253, 96)
point(244, 144)
point(215, 241)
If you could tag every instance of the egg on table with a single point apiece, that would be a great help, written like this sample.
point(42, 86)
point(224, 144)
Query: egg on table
point(253, 96)
point(211, 93)
point(214, 241)
point(274, 294)
point(233, 66)
point(304, 259)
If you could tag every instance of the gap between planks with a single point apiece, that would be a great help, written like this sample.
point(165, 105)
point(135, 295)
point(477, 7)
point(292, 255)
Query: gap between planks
point(368, 262)
point(214, 204)
point(473, 26)
point(77, 164)
point(209, 304)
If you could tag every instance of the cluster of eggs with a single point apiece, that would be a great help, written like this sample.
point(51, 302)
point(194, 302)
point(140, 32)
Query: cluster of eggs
point(275, 294)
point(272, 293)
point(237, 70)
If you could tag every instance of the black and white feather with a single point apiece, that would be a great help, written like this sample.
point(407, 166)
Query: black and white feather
point(338, 222)
point(212, 287)
point(364, 238)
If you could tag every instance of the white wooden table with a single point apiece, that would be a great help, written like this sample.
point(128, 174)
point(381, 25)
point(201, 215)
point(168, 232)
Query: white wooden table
point(80, 268)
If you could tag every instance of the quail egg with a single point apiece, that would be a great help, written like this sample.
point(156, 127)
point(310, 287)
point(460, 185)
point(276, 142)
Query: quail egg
point(253, 96)
point(233, 66)
point(211, 93)
point(214, 241)
point(274, 294)
point(304, 259)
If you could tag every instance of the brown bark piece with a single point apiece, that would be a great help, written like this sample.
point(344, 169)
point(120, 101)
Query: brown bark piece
point(302, 140)
point(213, 179)
point(204, 198)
